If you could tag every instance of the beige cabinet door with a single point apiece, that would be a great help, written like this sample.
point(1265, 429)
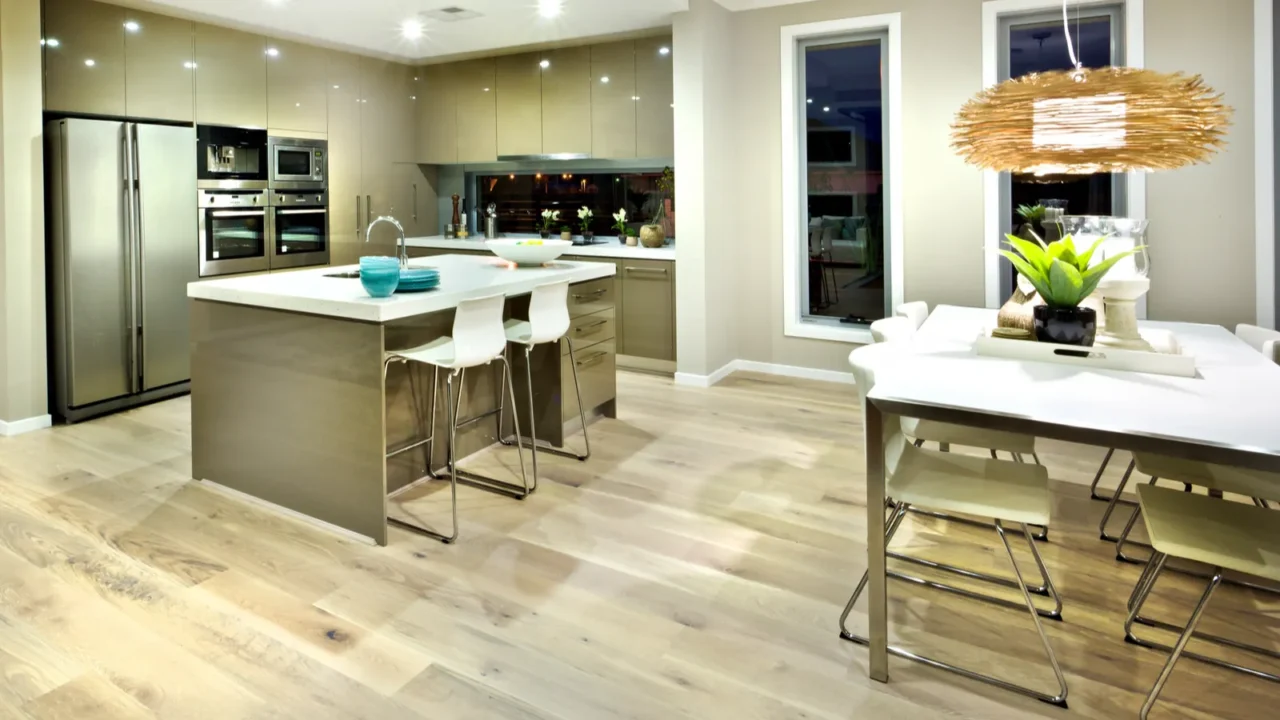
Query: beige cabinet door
point(438, 116)
point(297, 96)
point(519, 103)
point(346, 199)
point(84, 57)
point(477, 111)
point(160, 64)
point(648, 326)
point(566, 101)
point(231, 77)
point(655, 113)
point(613, 100)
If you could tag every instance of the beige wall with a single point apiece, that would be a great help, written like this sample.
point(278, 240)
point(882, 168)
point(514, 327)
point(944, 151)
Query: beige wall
point(1204, 265)
point(1202, 217)
point(23, 389)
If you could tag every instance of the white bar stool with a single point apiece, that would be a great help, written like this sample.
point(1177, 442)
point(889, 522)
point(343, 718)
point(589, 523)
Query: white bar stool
point(548, 323)
point(478, 339)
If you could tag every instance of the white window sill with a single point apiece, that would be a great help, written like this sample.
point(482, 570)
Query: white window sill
point(832, 330)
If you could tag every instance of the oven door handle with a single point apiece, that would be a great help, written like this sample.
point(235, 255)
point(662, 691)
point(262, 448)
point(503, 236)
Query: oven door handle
point(313, 211)
point(238, 213)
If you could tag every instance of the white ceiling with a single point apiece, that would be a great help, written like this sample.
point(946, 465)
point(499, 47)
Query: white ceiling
point(373, 26)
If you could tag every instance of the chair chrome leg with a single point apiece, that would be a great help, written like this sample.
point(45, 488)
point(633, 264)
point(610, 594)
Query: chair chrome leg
point(453, 476)
point(1043, 535)
point(1061, 698)
point(846, 634)
point(1093, 488)
point(1181, 644)
point(1115, 500)
point(533, 424)
point(1128, 528)
point(582, 410)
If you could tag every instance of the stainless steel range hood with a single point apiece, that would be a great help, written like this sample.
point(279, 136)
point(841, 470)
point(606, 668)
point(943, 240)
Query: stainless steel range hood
point(544, 158)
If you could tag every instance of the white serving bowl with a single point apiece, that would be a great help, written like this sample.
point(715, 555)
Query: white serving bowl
point(523, 252)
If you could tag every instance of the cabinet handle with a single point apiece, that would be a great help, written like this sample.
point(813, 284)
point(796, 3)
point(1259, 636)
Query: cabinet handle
point(592, 326)
point(655, 271)
point(357, 215)
point(592, 359)
point(591, 295)
point(310, 211)
point(415, 202)
point(238, 213)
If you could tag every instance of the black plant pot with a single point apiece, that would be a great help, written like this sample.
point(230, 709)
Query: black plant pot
point(1066, 325)
point(544, 235)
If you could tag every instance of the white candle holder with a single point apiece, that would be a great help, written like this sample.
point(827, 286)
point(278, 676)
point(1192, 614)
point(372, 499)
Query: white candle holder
point(1127, 280)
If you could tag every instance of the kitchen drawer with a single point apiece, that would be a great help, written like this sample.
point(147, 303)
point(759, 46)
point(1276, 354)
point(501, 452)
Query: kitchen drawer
point(587, 330)
point(597, 376)
point(592, 297)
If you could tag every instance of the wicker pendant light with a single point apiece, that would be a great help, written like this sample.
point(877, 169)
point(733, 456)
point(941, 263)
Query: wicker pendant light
point(1082, 121)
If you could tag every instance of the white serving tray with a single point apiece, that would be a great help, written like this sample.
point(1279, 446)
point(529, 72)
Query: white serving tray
point(1099, 358)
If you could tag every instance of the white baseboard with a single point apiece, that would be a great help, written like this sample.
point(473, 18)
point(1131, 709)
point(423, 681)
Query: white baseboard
point(793, 371)
point(18, 427)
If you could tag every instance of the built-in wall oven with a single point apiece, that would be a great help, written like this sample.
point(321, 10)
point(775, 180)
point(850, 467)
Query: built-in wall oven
point(235, 231)
point(299, 228)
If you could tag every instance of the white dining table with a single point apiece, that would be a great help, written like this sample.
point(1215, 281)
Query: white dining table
point(1228, 414)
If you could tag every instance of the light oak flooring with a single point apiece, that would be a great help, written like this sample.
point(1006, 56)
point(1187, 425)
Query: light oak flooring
point(694, 568)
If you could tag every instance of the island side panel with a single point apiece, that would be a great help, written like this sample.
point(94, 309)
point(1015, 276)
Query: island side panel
point(288, 408)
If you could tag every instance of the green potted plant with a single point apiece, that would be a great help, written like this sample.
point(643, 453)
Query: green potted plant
point(632, 239)
point(1063, 278)
point(566, 233)
point(584, 219)
point(620, 224)
point(1032, 216)
point(549, 219)
point(657, 206)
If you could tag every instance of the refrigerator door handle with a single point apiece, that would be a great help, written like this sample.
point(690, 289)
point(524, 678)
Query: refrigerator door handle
point(139, 246)
point(131, 259)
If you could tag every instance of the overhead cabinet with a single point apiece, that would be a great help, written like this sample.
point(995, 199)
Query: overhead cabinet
point(613, 100)
point(477, 111)
point(566, 101)
point(655, 98)
point(297, 94)
point(231, 77)
point(519, 104)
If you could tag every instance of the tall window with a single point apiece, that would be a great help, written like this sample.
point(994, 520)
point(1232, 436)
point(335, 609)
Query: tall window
point(842, 150)
point(1032, 43)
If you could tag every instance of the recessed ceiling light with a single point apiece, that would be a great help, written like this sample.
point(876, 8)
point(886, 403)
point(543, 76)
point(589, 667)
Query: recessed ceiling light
point(550, 8)
point(273, 52)
point(605, 79)
point(89, 62)
point(132, 26)
point(411, 29)
point(664, 50)
point(52, 42)
point(544, 64)
point(189, 65)
point(826, 109)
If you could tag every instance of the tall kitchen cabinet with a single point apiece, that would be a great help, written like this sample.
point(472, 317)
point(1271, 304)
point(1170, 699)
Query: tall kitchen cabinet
point(477, 104)
point(107, 60)
point(518, 81)
point(566, 101)
point(231, 77)
point(655, 93)
point(346, 197)
point(297, 92)
point(613, 100)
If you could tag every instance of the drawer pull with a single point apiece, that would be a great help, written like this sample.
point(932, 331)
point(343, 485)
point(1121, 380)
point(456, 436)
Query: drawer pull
point(655, 271)
point(591, 295)
point(592, 359)
point(592, 326)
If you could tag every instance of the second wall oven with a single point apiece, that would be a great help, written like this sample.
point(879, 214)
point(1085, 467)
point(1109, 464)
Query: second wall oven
point(300, 229)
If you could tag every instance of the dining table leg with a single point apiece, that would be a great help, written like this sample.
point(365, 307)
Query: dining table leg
point(877, 599)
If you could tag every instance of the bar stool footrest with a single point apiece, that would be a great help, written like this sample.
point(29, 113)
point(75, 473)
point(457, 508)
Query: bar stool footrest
point(493, 485)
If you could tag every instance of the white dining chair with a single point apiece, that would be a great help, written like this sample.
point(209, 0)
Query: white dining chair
point(478, 339)
point(1221, 534)
point(1006, 492)
point(892, 329)
point(917, 312)
point(548, 323)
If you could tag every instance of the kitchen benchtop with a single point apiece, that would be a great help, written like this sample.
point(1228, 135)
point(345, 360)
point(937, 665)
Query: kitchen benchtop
point(611, 248)
point(462, 277)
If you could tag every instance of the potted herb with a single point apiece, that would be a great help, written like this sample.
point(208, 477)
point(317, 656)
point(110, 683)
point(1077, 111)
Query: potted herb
point(549, 219)
point(566, 233)
point(584, 219)
point(1063, 279)
point(632, 240)
point(620, 224)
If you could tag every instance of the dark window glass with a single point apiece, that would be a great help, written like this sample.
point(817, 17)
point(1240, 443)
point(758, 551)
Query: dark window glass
point(521, 198)
point(844, 153)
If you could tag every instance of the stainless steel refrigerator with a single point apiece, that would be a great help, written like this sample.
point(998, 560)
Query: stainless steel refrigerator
point(124, 245)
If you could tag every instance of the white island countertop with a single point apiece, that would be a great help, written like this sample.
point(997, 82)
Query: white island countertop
point(462, 277)
point(610, 248)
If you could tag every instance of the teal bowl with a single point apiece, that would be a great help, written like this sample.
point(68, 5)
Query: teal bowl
point(380, 283)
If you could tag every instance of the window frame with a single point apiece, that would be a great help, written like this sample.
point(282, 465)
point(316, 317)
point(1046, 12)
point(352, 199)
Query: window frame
point(1135, 195)
point(795, 237)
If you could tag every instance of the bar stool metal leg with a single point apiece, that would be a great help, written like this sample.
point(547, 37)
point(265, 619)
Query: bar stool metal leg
point(582, 415)
point(452, 462)
point(484, 482)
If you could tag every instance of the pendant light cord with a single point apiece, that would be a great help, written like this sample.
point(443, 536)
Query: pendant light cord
point(1066, 29)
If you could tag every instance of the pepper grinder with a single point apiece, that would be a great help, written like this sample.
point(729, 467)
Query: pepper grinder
point(457, 215)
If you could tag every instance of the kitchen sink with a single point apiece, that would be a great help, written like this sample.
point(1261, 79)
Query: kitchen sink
point(353, 275)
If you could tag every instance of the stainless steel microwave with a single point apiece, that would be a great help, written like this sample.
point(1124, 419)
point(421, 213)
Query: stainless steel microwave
point(298, 163)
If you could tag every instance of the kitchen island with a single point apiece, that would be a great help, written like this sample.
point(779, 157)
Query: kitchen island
point(288, 402)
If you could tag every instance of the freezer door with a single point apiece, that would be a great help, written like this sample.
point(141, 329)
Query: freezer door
point(93, 338)
point(168, 241)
